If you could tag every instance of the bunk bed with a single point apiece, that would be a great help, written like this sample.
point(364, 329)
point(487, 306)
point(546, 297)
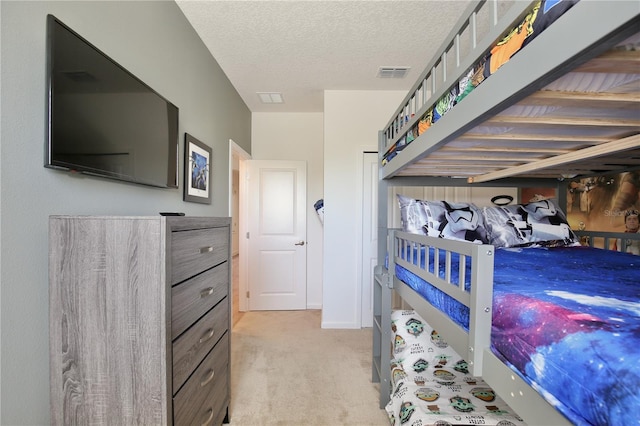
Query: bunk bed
point(563, 103)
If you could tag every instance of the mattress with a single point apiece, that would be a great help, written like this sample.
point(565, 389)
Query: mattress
point(567, 320)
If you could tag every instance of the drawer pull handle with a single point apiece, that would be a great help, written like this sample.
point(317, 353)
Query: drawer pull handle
point(206, 292)
point(206, 250)
point(207, 335)
point(207, 379)
point(209, 417)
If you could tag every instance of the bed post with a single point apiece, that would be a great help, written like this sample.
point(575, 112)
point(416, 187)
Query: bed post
point(481, 306)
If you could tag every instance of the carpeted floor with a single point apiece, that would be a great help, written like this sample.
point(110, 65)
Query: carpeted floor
point(286, 370)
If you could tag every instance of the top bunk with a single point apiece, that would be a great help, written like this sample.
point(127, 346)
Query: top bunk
point(556, 96)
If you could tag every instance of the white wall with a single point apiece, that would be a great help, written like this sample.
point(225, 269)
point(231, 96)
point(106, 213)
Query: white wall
point(351, 123)
point(154, 41)
point(297, 136)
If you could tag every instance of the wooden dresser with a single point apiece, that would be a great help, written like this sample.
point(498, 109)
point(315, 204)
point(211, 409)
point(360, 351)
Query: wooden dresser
point(139, 320)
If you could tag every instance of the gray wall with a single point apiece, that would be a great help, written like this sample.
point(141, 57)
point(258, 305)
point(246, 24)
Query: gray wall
point(154, 41)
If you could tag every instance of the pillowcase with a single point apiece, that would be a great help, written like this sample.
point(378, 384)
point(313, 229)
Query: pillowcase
point(419, 353)
point(413, 215)
point(519, 225)
point(456, 221)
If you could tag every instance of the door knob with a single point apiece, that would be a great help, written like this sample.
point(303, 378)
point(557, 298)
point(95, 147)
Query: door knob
point(300, 243)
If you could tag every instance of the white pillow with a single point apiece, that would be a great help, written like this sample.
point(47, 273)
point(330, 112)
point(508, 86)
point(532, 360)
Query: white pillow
point(413, 215)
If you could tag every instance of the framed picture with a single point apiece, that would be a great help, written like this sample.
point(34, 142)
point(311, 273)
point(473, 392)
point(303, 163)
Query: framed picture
point(197, 171)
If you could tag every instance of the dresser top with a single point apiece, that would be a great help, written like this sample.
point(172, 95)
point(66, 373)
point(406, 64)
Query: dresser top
point(176, 223)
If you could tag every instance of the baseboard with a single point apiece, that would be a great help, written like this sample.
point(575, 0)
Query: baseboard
point(339, 325)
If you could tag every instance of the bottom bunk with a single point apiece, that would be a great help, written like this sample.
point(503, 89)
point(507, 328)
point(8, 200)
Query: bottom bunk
point(554, 331)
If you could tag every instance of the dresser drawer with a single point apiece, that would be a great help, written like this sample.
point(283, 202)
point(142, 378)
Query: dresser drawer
point(197, 250)
point(211, 410)
point(190, 348)
point(206, 389)
point(192, 299)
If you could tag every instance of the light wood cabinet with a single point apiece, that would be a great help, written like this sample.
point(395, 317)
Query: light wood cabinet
point(139, 320)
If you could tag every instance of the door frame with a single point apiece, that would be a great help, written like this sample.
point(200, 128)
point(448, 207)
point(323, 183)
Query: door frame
point(364, 149)
point(243, 211)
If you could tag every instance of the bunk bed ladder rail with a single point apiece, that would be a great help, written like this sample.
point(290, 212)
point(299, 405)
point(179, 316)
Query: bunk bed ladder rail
point(381, 363)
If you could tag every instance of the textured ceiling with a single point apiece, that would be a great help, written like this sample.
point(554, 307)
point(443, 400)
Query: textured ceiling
point(301, 48)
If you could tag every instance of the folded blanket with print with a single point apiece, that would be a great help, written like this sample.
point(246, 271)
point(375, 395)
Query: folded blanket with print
point(431, 384)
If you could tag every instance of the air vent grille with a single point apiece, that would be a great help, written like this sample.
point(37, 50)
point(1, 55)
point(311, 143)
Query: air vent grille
point(393, 72)
point(271, 97)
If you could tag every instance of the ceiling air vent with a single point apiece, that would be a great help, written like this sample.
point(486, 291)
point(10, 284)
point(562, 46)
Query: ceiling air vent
point(393, 72)
point(271, 97)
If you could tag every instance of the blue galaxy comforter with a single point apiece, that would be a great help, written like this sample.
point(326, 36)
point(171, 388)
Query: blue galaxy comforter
point(567, 319)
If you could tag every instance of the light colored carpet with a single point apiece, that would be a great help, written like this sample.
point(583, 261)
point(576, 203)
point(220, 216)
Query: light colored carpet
point(286, 370)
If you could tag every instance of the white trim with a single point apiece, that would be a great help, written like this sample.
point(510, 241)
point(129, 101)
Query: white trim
point(340, 325)
point(243, 155)
point(359, 200)
point(243, 249)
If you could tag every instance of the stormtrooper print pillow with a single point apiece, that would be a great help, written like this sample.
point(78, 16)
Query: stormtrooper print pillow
point(455, 221)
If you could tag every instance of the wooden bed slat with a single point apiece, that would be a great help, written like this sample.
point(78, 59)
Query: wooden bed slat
point(546, 121)
point(451, 150)
point(515, 137)
point(632, 142)
point(613, 61)
point(583, 99)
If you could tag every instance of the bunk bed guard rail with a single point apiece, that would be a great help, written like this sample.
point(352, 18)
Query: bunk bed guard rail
point(461, 271)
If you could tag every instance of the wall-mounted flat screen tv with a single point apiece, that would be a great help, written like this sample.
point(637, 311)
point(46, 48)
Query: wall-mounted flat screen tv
point(101, 119)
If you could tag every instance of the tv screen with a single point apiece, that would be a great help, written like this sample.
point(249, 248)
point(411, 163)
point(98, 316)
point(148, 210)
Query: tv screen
point(102, 120)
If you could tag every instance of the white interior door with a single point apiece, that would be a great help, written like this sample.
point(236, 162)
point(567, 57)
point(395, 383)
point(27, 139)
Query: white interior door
point(277, 193)
point(369, 233)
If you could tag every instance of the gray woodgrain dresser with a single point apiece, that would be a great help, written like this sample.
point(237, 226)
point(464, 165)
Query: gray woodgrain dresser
point(139, 320)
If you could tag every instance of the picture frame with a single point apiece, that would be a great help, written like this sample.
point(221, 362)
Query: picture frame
point(197, 170)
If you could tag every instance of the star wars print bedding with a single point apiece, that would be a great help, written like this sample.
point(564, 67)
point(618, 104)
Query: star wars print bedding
point(431, 384)
point(566, 319)
point(540, 222)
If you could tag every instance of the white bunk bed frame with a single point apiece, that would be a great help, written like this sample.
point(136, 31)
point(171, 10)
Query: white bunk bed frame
point(450, 154)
